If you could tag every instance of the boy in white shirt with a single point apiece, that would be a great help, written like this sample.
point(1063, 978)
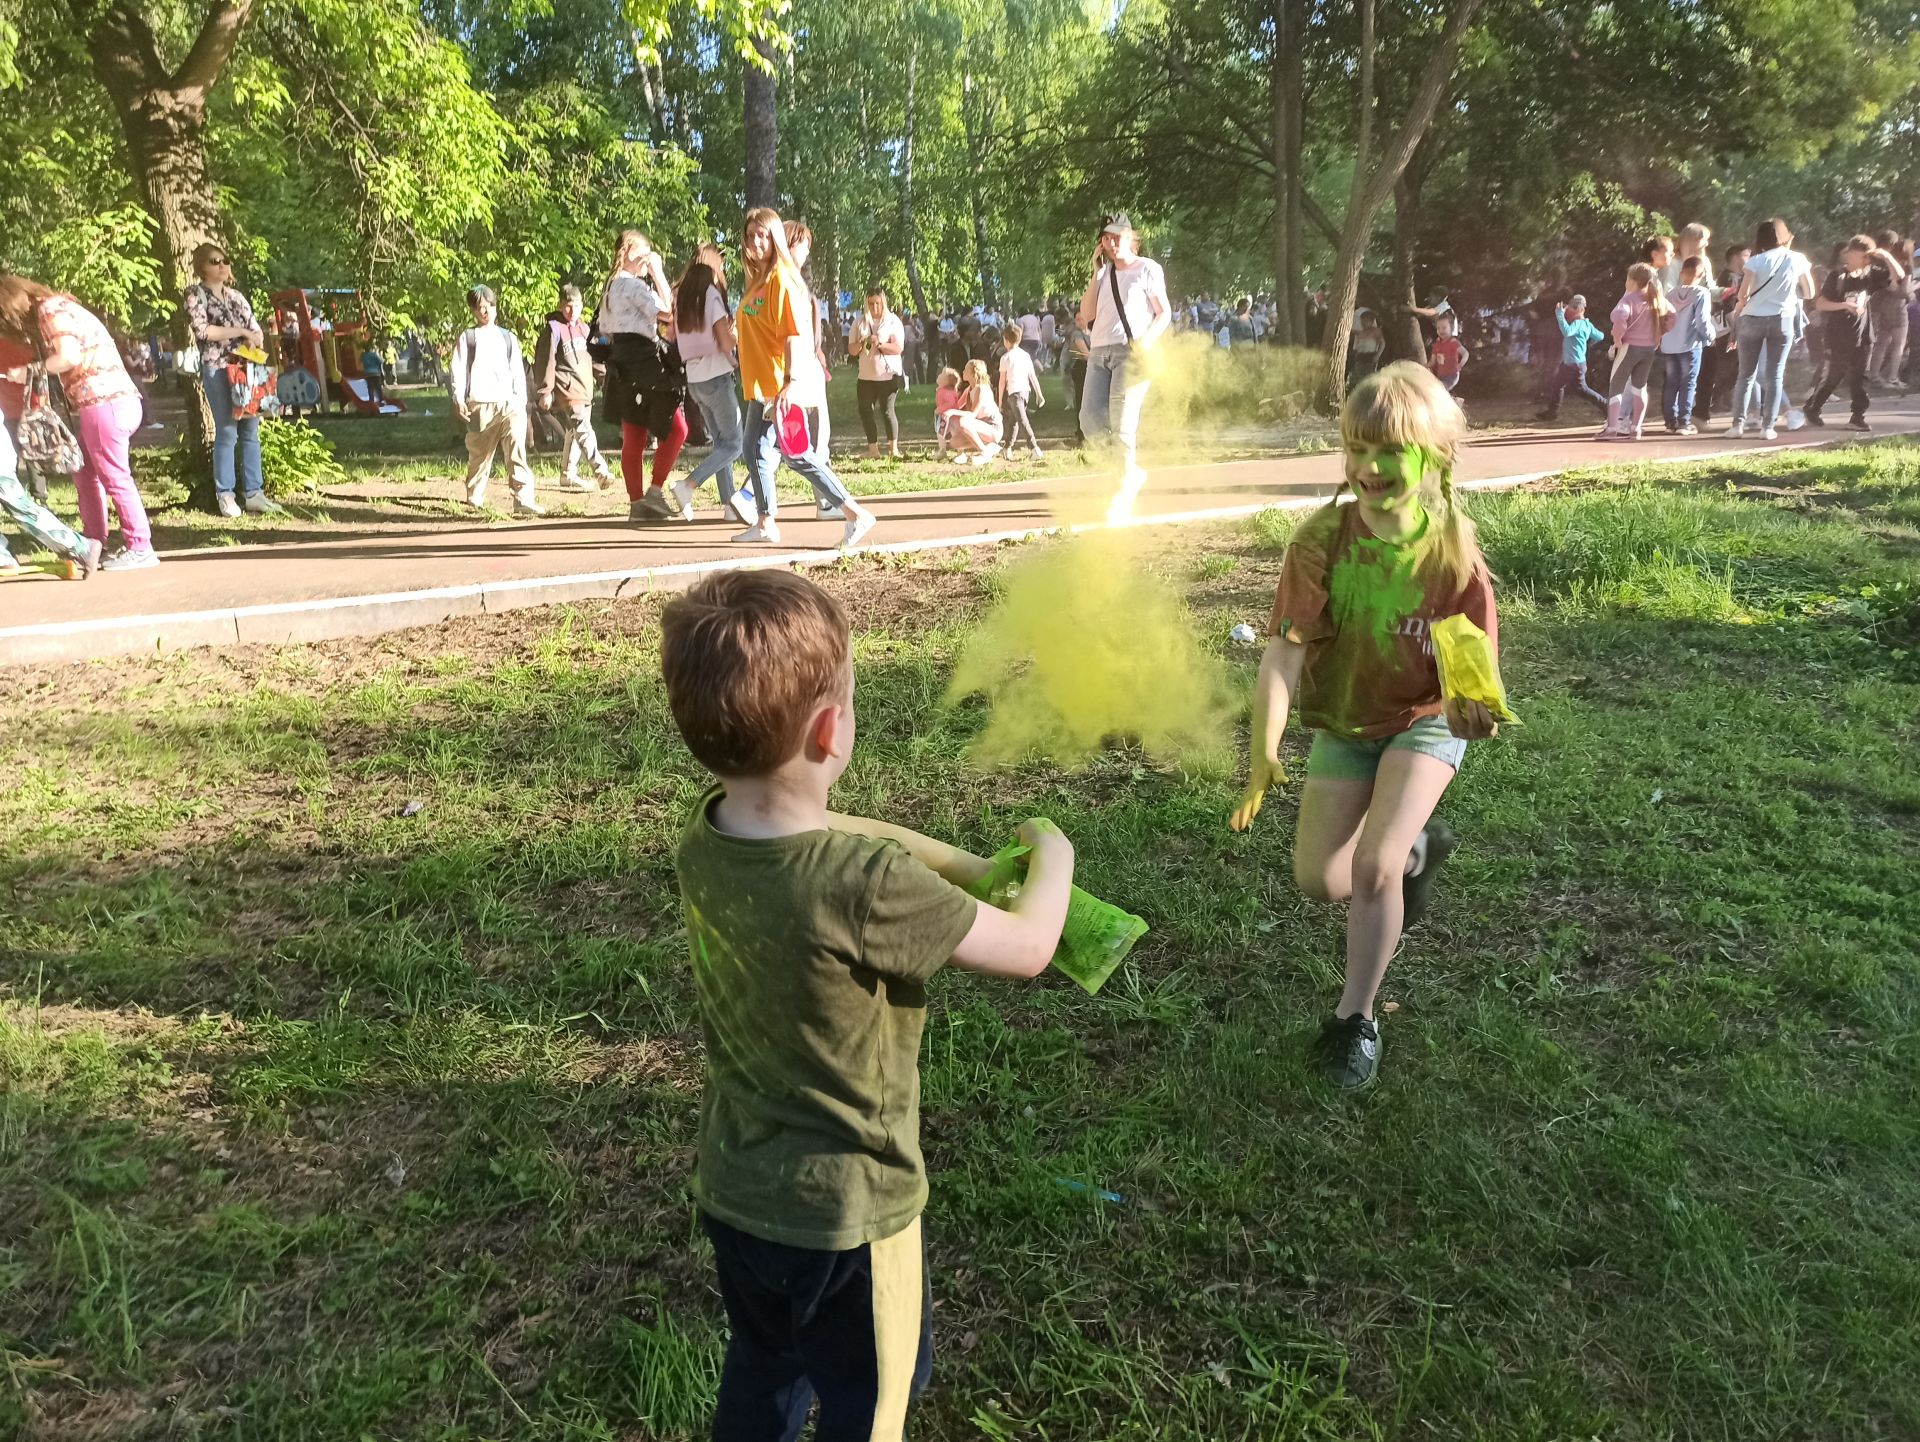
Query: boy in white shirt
point(489, 391)
point(1018, 384)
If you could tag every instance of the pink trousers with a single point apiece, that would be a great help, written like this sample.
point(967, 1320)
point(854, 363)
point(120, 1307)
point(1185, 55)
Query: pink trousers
point(106, 430)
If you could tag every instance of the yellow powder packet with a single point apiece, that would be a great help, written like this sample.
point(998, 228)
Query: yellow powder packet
point(1468, 670)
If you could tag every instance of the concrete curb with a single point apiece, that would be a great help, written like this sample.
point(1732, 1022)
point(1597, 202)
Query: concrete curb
point(295, 622)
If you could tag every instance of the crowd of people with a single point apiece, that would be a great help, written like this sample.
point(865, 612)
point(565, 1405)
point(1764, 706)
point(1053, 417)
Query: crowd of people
point(1710, 342)
point(667, 360)
point(1725, 341)
point(754, 373)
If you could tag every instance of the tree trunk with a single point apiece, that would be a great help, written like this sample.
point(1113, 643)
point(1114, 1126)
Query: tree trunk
point(1285, 271)
point(830, 239)
point(1374, 178)
point(983, 248)
point(167, 147)
point(1287, 79)
point(762, 129)
point(163, 117)
point(1404, 340)
point(908, 239)
point(1294, 74)
point(976, 198)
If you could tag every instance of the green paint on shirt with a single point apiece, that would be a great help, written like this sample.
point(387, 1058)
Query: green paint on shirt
point(1375, 587)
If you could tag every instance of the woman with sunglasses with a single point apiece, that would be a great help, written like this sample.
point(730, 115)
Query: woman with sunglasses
point(222, 318)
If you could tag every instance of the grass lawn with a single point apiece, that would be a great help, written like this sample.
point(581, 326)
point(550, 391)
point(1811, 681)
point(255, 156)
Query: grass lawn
point(322, 1120)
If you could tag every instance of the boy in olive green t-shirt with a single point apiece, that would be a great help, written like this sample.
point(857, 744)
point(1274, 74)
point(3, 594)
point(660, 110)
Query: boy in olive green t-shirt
point(813, 936)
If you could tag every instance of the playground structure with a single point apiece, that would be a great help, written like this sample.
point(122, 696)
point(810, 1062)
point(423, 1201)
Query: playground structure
point(320, 334)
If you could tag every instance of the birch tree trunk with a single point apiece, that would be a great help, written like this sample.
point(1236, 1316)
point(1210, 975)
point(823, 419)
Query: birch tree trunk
point(1374, 177)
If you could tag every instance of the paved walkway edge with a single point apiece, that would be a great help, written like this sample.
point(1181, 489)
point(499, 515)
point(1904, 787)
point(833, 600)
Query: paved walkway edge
point(293, 622)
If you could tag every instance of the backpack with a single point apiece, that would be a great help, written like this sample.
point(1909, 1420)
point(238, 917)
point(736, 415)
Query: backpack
point(45, 442)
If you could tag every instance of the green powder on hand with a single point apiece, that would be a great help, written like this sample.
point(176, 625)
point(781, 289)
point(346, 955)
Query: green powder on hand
point(1097, 935)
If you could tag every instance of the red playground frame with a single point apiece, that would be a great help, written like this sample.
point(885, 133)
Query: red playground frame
point(320, 334)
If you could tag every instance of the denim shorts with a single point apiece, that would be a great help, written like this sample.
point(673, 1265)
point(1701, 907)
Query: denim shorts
point(1346, 758)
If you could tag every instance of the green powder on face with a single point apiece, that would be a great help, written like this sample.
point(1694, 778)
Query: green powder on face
point(1408, 465)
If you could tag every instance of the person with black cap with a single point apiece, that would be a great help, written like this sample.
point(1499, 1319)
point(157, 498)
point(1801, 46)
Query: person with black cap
point(1125, 309)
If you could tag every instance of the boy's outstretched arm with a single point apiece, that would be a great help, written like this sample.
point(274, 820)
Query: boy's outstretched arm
point(1021, 940)
point(949, 862)
point(1018, 941)
point(1273, 689)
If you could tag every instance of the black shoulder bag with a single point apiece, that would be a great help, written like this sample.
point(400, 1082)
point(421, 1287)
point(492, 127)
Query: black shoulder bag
point(1113, 280)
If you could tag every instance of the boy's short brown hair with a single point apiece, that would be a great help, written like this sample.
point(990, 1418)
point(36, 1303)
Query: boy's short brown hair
point(1011, 333)
point(748, 656)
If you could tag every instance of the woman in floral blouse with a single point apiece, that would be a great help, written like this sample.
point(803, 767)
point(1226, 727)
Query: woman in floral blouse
point(221, 318)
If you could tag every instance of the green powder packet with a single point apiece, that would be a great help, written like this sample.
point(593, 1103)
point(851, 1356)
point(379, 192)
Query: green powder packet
point(1098, 935)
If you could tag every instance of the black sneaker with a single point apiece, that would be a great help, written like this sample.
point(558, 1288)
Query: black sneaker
point(1417, 890)
point(1347, 1051)
point(1859, 423)
point(1813, 419)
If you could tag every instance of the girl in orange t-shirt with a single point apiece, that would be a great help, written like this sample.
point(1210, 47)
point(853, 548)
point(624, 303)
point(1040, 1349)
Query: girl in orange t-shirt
point(772, 332)
point(1351, 637)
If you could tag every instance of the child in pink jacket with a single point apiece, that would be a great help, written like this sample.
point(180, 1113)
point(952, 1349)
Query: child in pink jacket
point(1639, 320)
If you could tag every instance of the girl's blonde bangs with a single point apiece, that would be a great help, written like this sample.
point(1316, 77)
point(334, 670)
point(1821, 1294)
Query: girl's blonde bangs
point(1402, 405)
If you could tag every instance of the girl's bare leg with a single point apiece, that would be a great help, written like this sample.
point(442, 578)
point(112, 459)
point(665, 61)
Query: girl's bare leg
point(1406, 789)
point(1331, 812)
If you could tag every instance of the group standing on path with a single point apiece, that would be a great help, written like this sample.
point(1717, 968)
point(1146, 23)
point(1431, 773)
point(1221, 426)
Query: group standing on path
point(663, 347)
point(1852, 317)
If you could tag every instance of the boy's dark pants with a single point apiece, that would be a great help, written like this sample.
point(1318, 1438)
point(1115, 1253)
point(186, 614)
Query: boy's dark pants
point(1709, 379)
point(853, 1328)
point(1571, 378)
point(1846, 360)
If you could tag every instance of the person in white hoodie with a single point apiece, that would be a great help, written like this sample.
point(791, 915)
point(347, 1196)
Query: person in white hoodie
point(489, 390)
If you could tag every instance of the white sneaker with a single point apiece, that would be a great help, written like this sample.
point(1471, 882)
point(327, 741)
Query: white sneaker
point(129, 560)
point(227, 505)
point(828, 511)
point(683, 499)
point(858, 525)
point(1035, 453)
point(764, 532)
point(1796, 418)
point(526, 510)
point(260, 504)
point(579, 483)
point(1120, 510)
point(1769, 434)
point(1737, 430)
point(746, 514)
